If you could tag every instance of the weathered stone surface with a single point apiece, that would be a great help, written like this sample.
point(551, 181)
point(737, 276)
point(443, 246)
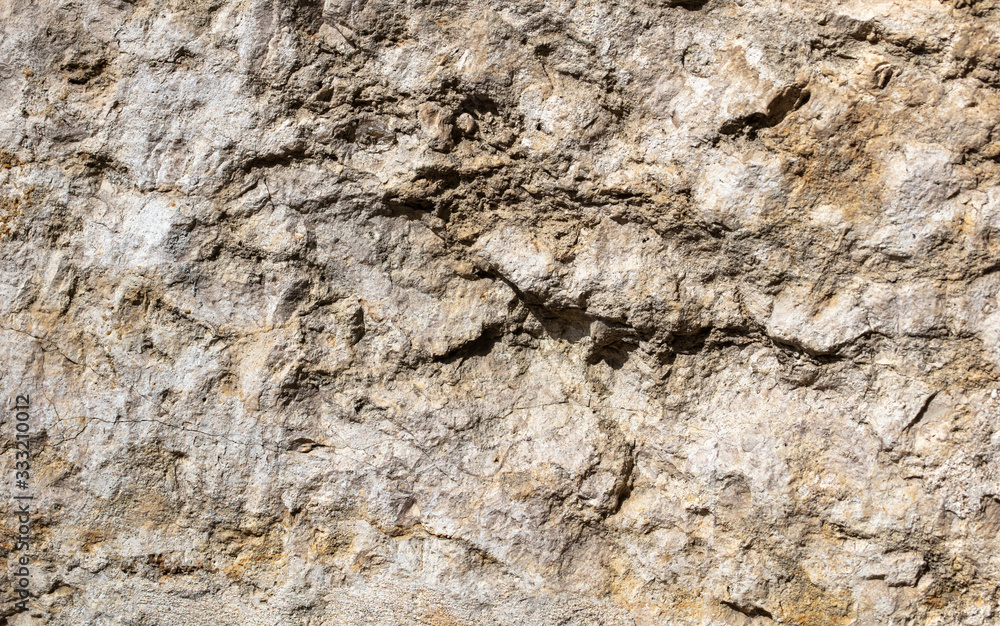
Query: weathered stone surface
point(400, 311)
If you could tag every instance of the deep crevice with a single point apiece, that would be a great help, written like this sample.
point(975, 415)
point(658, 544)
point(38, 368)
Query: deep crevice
point(789, 99)
point(748, 610)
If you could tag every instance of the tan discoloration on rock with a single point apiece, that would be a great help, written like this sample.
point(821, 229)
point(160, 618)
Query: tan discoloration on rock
point(587, 313)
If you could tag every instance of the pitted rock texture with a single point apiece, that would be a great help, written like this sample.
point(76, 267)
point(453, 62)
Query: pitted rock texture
point(513, 312)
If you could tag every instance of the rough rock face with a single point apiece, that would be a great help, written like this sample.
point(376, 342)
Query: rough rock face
point(518, 312)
